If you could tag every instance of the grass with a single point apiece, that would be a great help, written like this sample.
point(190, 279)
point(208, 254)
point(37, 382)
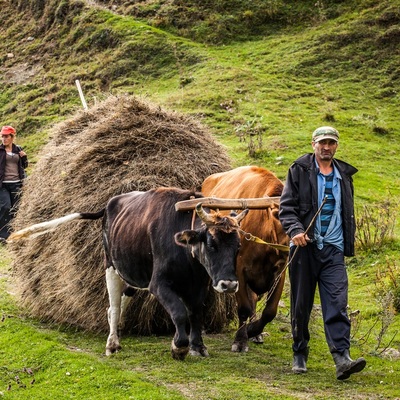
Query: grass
point(308, 64)
point(46, 362)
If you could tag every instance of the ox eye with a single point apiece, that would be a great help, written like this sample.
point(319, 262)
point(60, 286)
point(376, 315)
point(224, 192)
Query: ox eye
point(211, 244)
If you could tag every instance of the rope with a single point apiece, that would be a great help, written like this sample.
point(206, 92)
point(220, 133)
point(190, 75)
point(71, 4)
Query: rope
point(277, 279)
point(244, 203)
point(248, 236)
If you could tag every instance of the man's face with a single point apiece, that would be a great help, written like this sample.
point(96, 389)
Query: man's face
point(325, 149)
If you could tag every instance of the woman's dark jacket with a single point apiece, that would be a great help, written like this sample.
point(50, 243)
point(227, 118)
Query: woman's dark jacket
point(299, 200)
point(22, 162)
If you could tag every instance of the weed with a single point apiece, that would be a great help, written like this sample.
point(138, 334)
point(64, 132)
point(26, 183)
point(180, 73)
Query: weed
point(251, 131)
point(375, 224)
point(386, 317)
point(383, 322)
point(388, 283)
point(321, 11)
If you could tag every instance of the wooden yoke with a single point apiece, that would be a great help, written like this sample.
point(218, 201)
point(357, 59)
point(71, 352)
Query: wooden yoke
point(228, 204)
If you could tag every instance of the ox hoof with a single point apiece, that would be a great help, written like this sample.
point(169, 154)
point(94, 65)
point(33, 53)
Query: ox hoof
point(257, 339)
point(240, 348)
point(112, 350)
point(199, 352)
point(178, 353)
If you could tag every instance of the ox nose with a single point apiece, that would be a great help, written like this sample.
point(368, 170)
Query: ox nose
point(227, 286)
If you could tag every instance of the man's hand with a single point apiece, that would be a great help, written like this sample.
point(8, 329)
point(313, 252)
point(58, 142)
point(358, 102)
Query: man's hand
point(301, 239)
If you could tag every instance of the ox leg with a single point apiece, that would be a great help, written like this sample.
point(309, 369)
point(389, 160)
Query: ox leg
point(126, 299)
point(196, 344)
point(114, 288)
point(246, 300)
point(256, 327)
point(178, 313)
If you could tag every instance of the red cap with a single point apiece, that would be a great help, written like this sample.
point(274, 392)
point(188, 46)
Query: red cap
point(8, 130)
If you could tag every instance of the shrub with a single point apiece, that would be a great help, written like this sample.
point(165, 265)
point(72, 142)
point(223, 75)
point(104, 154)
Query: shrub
point(375, 224)
point(388, 282)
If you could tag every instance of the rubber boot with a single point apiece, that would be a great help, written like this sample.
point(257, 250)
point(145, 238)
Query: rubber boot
point(345, 366)
point(300, 361)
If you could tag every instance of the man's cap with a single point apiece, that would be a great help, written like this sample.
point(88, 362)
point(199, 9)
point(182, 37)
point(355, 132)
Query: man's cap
point(325, 132)
point(8, 130)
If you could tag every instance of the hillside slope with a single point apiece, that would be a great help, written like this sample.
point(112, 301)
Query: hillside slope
point(261, 84)
point(262, 89)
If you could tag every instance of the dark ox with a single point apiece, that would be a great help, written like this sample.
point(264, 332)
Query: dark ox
point(258, 265)
point(148, 245)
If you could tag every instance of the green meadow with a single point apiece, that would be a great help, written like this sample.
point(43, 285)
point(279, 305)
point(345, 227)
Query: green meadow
point(261, 76)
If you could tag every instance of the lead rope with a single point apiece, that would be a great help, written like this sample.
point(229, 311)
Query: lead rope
point(277, 279)
point(248, 236)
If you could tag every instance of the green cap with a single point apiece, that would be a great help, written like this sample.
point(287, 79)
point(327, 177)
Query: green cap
point(325, 132)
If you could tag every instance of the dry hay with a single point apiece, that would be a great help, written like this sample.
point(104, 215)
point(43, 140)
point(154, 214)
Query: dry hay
point(122, 144)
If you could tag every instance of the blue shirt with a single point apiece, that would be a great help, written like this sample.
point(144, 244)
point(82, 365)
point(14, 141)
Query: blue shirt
point(334, 231)
point(329, 205)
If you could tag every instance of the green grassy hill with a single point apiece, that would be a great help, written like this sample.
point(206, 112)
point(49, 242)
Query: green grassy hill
point(301, 66)
point(262, 75)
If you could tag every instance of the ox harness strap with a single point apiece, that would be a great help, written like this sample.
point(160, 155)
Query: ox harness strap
point(248, 236)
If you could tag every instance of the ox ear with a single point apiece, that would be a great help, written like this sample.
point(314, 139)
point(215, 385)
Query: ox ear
point(186, 237)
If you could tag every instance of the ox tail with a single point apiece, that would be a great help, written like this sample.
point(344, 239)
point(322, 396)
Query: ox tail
point(49, 226)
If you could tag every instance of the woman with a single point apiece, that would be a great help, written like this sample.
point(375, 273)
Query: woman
point(13, 161)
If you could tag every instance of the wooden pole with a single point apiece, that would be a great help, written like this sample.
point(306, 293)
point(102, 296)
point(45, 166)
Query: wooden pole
point(78, 85)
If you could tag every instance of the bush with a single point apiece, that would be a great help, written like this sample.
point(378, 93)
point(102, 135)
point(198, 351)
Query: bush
point(388, 282)
point(375, 224)
point(388, 296)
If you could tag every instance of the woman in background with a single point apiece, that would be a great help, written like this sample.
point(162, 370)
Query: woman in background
point(13, 161)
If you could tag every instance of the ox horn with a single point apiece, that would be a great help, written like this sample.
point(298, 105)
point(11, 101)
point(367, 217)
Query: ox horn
point(203, 215)
point(241, 215)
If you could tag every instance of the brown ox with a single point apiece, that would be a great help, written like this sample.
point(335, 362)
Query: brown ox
point(258, 265)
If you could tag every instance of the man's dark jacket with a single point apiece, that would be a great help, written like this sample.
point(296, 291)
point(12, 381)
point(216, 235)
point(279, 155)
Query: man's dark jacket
point(299, 200)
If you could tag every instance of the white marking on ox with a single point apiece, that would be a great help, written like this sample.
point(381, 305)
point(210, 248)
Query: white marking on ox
point(114, 286)
point(125, 301)
point(227, 286)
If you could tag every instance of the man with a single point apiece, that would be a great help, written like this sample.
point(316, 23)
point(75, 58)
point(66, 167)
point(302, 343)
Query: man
point(318, 247)
point(13, 161)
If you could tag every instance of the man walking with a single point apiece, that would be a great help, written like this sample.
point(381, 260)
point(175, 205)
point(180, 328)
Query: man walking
point(314, 180)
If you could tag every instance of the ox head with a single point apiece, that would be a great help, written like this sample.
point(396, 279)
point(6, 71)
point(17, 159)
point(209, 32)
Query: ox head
point(215, 244)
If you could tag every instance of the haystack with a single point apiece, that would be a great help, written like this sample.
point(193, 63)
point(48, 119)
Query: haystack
point(122, 144)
